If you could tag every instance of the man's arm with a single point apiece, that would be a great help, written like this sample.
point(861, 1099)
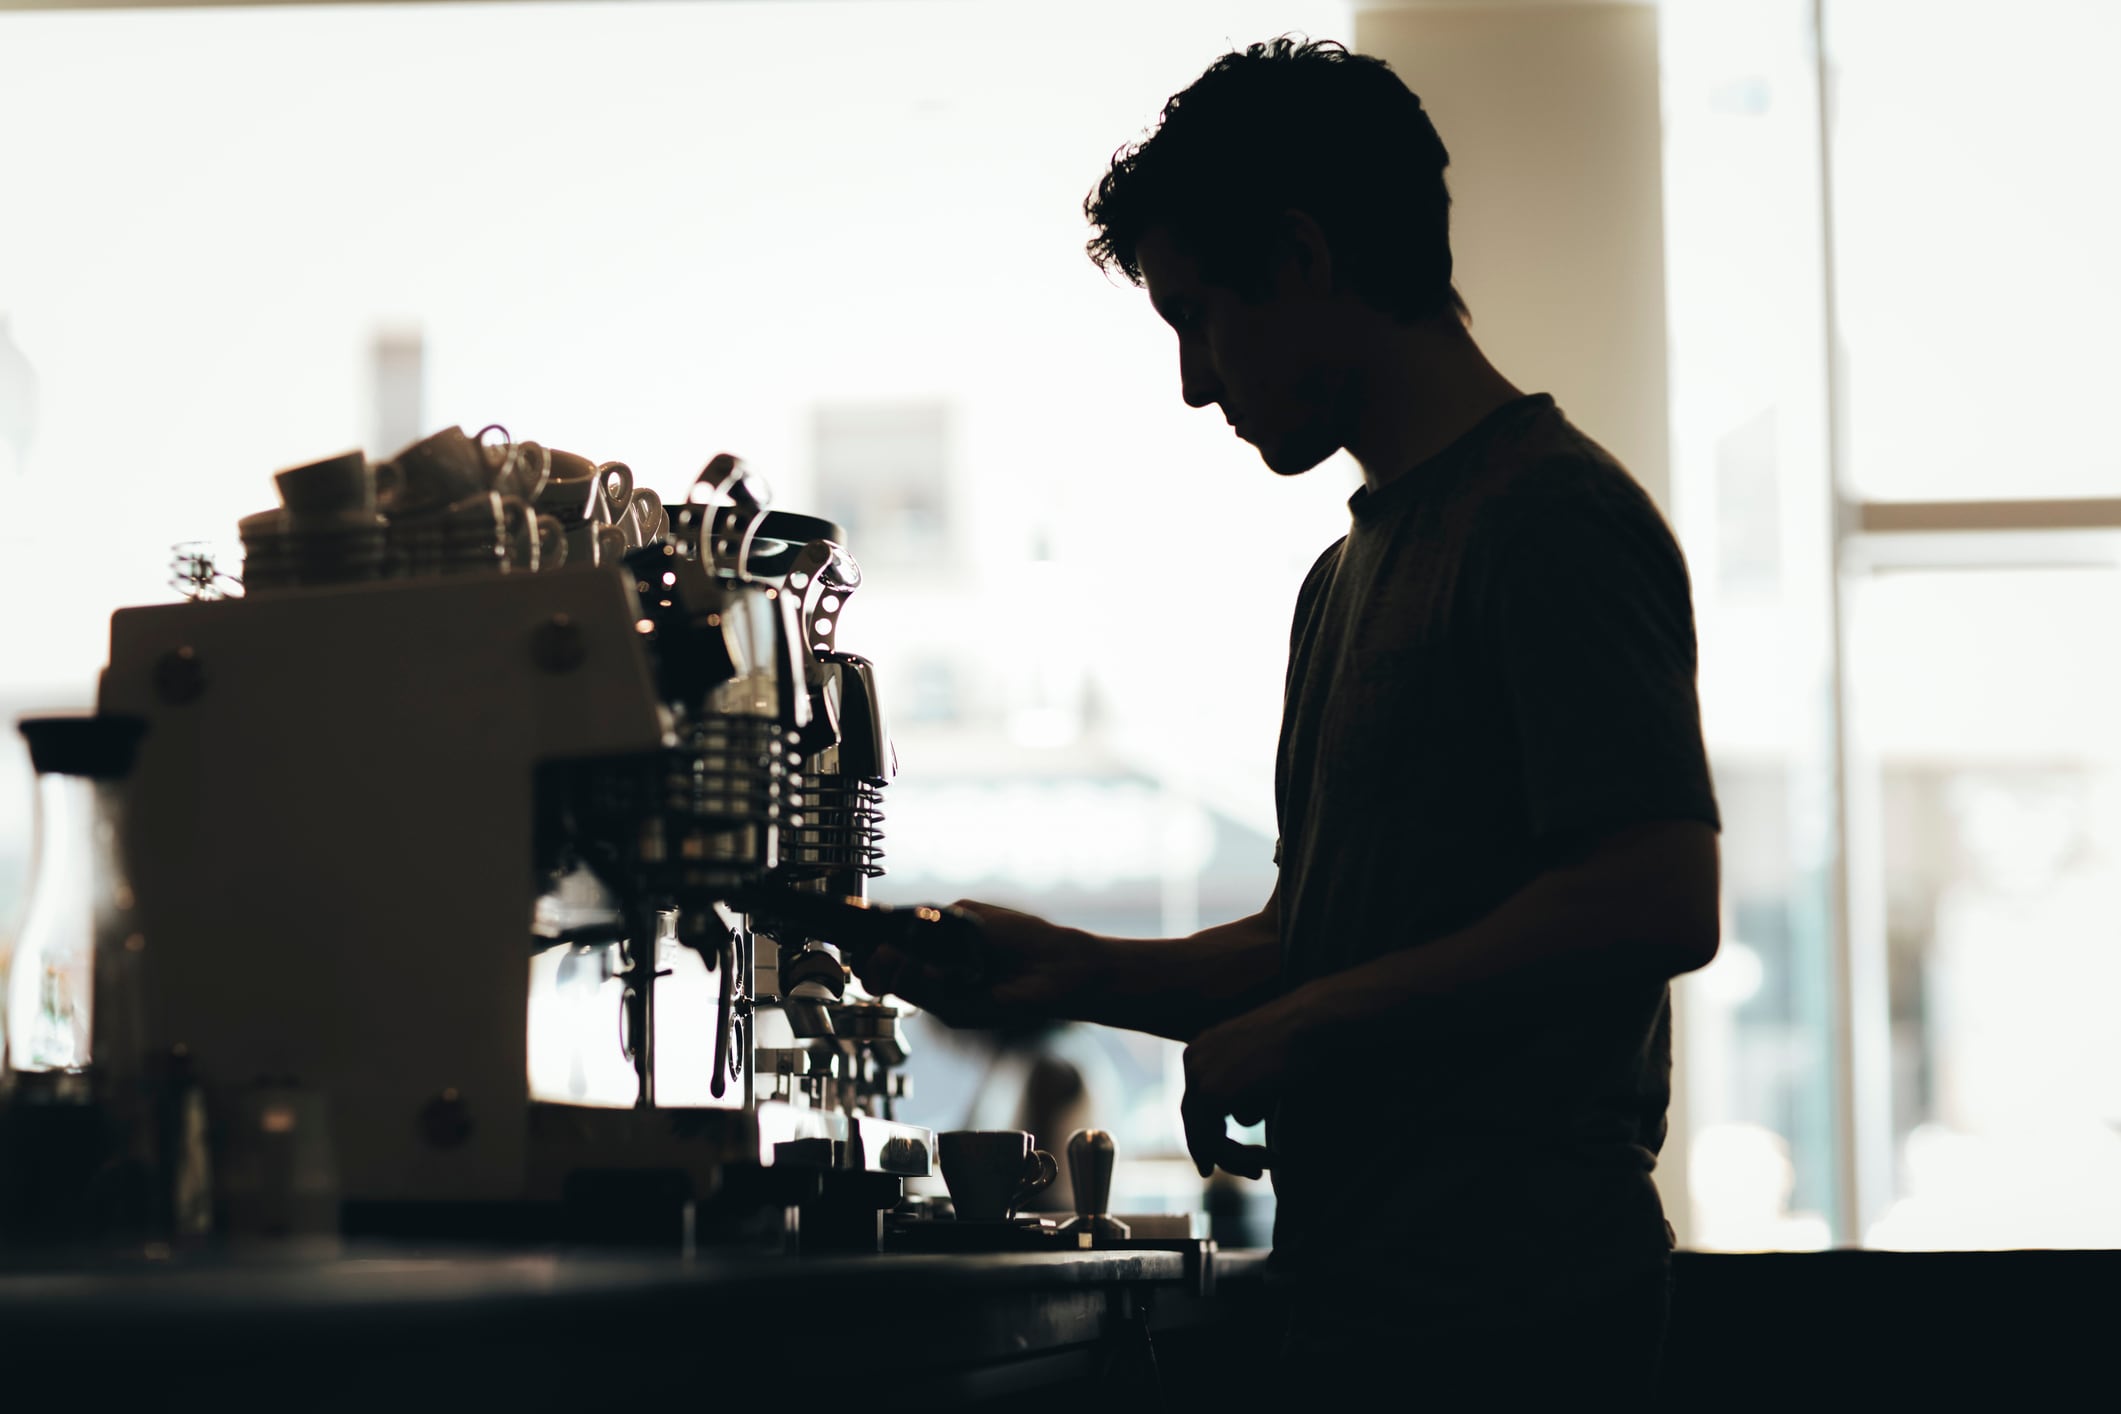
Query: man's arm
point(1175, 987)
point(1639, 903)
point(1179, 987)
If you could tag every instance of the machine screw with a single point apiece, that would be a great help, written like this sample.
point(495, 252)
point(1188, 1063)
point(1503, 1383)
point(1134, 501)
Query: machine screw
point(558, 645)
point(179, 676)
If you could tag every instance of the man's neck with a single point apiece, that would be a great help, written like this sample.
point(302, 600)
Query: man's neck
point(1426, 386)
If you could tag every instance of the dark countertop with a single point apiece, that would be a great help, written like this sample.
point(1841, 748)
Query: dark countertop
point(525, 1329)
point(549, 1329)
point(385, 1281)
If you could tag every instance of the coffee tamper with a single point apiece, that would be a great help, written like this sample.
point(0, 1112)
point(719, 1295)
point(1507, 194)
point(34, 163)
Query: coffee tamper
point(1090, 1155)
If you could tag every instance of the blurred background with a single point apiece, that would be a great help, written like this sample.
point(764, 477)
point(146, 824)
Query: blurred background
point(1831, 276)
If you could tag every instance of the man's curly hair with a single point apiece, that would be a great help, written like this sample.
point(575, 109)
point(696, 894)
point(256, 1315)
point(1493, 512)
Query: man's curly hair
point(1290, 125)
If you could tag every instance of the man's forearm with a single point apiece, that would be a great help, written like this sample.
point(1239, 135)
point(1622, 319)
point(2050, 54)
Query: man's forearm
point(1641, 905)
point(1177, 987)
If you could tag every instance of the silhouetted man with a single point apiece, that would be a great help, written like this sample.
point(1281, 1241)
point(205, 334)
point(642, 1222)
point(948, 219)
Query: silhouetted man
point(1498, 834)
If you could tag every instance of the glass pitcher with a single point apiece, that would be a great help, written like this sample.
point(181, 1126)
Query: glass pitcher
point(73, 990)
point(78, 1151)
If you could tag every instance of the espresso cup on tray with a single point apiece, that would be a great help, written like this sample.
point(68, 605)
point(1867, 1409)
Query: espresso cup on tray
point(990, 1171)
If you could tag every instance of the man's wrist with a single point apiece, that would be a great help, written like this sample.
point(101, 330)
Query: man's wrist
point(1329, 1012)
point(1308, 1015)
point(1140, 984)
point(1096, 974)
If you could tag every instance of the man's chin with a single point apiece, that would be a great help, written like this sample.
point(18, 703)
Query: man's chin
point(1285, 459)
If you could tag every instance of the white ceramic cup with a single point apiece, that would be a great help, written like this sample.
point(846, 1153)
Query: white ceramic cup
point(334, 489)
point(438, 470)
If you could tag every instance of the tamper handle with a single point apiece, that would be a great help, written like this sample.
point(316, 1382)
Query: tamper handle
point(1090, 1156)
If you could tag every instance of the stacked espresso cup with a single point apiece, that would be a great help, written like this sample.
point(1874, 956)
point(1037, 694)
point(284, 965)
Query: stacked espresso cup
point(325, 531)
point(450, 504)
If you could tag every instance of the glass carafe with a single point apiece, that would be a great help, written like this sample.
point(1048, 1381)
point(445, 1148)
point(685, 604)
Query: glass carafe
point(80, 920)
point(77, 1158)
point(79, 1145)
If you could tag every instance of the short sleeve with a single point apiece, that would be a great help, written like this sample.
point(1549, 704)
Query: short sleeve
point(1303, 626)
point(1594, 626)
point(1304, 622)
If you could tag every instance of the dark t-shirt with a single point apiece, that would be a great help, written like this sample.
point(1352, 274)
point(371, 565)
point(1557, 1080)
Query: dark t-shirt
point(1497, 663)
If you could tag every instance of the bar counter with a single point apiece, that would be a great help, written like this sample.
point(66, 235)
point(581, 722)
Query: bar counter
point(410, 1328)
point(535, 1330)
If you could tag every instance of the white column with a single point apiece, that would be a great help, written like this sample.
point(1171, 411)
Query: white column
point(1550, 113)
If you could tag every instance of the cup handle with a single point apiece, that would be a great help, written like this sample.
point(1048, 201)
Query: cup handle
point(614, 493)
point(533, 472)
point(609, 547)
point(645, 512)
point(552, 542)
point(520, 532)
point(1040, 1170)
point(515, 468)
point(494, 457)
point(390, 486)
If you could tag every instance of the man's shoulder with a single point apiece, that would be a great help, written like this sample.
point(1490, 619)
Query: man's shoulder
point(1553, 488)
point(1548, 462)
point(1316, 581)
point(1321, 571)
point(1304, 621)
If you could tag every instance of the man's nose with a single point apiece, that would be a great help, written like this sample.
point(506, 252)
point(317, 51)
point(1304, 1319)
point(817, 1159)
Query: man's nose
point(1197, 382)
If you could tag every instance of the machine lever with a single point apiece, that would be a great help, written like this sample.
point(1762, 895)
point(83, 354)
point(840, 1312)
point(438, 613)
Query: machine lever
point(725, 1018)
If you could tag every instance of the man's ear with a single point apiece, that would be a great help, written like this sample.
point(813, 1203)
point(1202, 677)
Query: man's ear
point(1306, 254)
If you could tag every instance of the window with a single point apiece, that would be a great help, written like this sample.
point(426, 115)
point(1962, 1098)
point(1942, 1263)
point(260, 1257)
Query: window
point(883, 473)
point(1989, 748)
point(1974, 234)
point(1900, 512)
point(1755, 1039)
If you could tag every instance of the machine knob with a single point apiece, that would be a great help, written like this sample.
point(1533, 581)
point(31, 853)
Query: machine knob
point(1090, 1155)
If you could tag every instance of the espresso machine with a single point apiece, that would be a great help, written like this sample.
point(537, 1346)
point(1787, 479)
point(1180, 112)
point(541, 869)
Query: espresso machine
point(540, 886)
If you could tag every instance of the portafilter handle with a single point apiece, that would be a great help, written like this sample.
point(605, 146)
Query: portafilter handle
point(943, 937)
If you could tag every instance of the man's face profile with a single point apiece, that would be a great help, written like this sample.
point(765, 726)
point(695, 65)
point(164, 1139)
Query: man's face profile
point(1258, 360)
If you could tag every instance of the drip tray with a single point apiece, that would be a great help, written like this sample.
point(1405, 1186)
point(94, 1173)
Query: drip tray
point(1174, 1232)
point(947, 1235)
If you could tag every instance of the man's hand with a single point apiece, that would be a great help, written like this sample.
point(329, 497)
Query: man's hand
point(1237, 1070)
point(1031, 970)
